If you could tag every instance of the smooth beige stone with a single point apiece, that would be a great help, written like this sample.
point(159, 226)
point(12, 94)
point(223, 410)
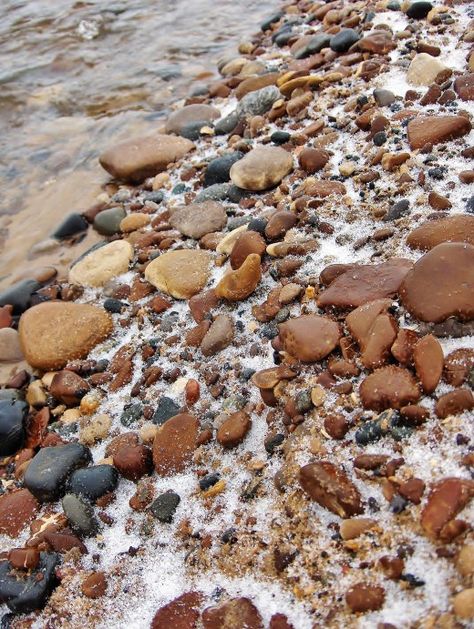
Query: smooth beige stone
point(262, 168)
point(181, 273)
point(102, 265)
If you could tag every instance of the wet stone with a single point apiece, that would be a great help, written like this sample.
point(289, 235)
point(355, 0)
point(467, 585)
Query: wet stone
point(107, 222)
point(93, 482)
point(19, 295)
point(389, 387)
point(166, 409)
point(218, 170)
point(258, 102)
point(12, 431)
point(71, 226)
point(26, 593)
point(454, 228)
point(198, 219)
point(237, 612)
point(80, 515)
point(342, 41)
point(310, 337)
point(17, 508)
point(164, 506)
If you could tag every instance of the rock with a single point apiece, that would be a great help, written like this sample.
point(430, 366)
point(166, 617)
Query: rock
point(458, 366)
point(145, 156)
point(181, 118)
point(12, 426)
point(453, 228)
point(464, 86)
point(258, 102)
point(365, 283)
point(377, 42)
point(310, 337)
point(311, 160)
point(441, 284)
point(166, 409)
point(419, 10)
point(361, 320)
point(198, 219)
point(181, 273)
point(19, 295)
point(228, 123)
point(381, 336)
point(133, 462)
point(17, 508)
point(6, 317)
point(342, 41)
point(279, 223)
point(102, 264)
point(174, 444)
point(164, 507)
point(24, 558)
point(80, 515)
point(364, 597)
point(428, 358)
point(247, 242)
point(239, 284)
point(445, 500)
point(329, 486)
point(280, 621)
point(463, 604)
point(424, 69)
point(73, 224)
point(201, 305)
point(218, 170)
point(24, 594)
point(219, 336)
point(181, 613)
point(108, 221)
point(237, 612)
point(424, 130)
point(53, 333)
point(438, 202)
point(465, 560)
point(95, 430)
point(262, 168)
point(68, 387)
point(94, 586)
point(397, 210)
point(48, 472)
point(93, 482)
point(355, 527)
point(389, 387)
point(134, 221)
point(383, 98)
point(254, 83)
point(232, 431)
point(454, 403)
point(324, 188)
point(10, 348)
point(314, 45)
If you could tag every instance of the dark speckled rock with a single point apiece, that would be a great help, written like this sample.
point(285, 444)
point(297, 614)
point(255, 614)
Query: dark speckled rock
point(25, 593)
point(342, 41)
point(93, 482)
point(12, 417)
point(218, 169)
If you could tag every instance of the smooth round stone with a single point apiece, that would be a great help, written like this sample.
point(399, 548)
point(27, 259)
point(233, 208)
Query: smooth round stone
point(108, 222)
point(309, 338)
point(194, 130)
point(424, 69)
point(49, 470)
point(73, 224)
point(19, 295)
point(198, 219)
point(219, 336)
point(181, 273)
point(12, 433)
point(255, 83)
point(80, 515)
point(454, 228)
point(17, 508)
point(10, 349)
point(218, 170)
point(342, 41)
point(262, 168)
point(258, 102)
point(441, 284)
point(315, 44)
point(93, 482)
point(55, 332)
point(236, 612)
point(134, 221)
point(184, 610)
point(215, 192)
point(183, 117)
point(389, 387)
point(228, 123)
point(383, 98)
point(419, 10)
point(280, 137)
point(174, 444)
point(102, 265)
point(424, 130)
point(164, 507)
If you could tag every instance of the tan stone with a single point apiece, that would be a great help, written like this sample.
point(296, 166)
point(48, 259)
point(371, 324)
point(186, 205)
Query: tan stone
point(134, 221)
point(181, 273)
point(188, 114)
point(424, 69)
point(262, 168)
point(102, 264)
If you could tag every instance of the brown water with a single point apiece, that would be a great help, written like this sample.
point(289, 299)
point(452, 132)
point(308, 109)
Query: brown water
point(76, 76)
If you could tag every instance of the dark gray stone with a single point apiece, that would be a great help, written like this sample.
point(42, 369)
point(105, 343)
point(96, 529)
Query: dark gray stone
point(216, 192)
point(227, 124)
point(218, 169)
point(73, 224)
point(80, 515)
point(12, 432)
point(399, 209)
point(192, 131)
point(342, 41)
point(93, 482)
point(316, 44)
point(383, 97)
point(166, 409)
point(25, 593)
point(419, 10)
point(258, 102)
point(108, 222)
point(164, 507)
point(19, 295)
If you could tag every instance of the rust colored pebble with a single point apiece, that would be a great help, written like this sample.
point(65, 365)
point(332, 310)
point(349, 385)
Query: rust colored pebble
point(232, 432)
point(402, 349)
point(454, 403)
point(24, 558)
point(16, 510)
point(412, 490)
point(95, 585)
point(192, 391)
point(445, 500)
point(389, 387)
point(392, 566)
point(280, 621)
point(428, 358)
point(201, 304)
point(330, 487)
point(336, 426)
point(458, 365)
point(414, 413)
point(175, 443)
point(248, 242)
point(133, 462)
point(364, 597)
point(180, 613)
point(311, 160)
point(235, 613)
point(438, 202)
point(310, 337)
point(121, 441)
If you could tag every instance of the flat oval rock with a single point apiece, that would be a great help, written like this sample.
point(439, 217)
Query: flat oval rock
point(102, 264)
point(26, 594)
point(181, 273)
point(198, 219)
point(17, 508)
point(262, 168)
point(174, 444)
point(389, 387)
point(330, 487)
point(310, 337)
point(179, 119)
point(237, 612)
point(454, 228)
point(93, 482)
point(181, 613)
point(441, 284)
point(424, 130)
point(429, 359)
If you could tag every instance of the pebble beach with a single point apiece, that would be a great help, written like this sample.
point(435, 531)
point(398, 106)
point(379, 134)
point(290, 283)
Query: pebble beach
point(249, 404)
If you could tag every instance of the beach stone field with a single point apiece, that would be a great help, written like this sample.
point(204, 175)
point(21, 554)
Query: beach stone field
point(250, 404)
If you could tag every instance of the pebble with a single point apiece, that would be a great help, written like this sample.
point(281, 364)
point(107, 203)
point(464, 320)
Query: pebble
point(164, 506)
point(465, 560)
point(219, 336)
point(428, 358)
point(463, 604)
point(93, 482)
point(197, 113)
point(95, 430)
point(419, 10)
point(133, 462)
point(68, 387)
point(330, 487)
point(383, 97)
point(166, 409)
point(464, 87)
point(53, 333)
point(181, 273)
point(218, 169)
point(232, 431)
point(72, 225)
point(134, 221)
point(355, 527)
point(279, 223)
point(24, 558)
point(309, 338)
point(364, 597)
point(236, 612)
point(181, 613)
point(342, 41)
point(453, 228)
point(174, 444)
point(198, 219)
point(424, 69)
point(446, 499)
point(12, 425)
point(247, 242)
point(254, 83)
point(80, 515)
point(19, 295)
point(458, 366)
point(424, 130)
point(259, 101)
point(262, 168)
point(24, 594)
point(239, 284)
point(17, 508)
point(10, 348)
point(389, 387)
point(107, 222)
point(95, 585)
point(454, 403)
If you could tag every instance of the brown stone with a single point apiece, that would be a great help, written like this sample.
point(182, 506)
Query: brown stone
point(201, 304)
point(458, 366)
point(232, 431)
point(336, 426)
point(402, 349)
point(364, 597)
point(198, 219)
point(174, 444)
point(377, 42)
point(324, 188)
point(464, 86)
point(181, 613)
point(438, 202)
point(377, 344)
point(424, 130)
point(133, 461)
point(280, 621)
point(388, 387)
point(454, 403)
point(262, 168)
point(180, 118)
point(445, 500)
point(219, 336)
point(454, 228)
point(237, 612)
point(311, 160)
point(415, 414)
point(24, 558)
point(428, 358)
point(68, 387)
point(310, 337)
point(16, 510)
point(279, 224)
point(181, 273)
point(412, 490)
point(361, 320)
point(94, 585)
point(254, 83)
point(239, 284)
point(247, 243)
point(121, 441)
point(441, 284)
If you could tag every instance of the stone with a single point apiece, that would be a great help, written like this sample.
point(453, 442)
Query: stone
point(94, 585)
point(445, 500)
point(424, 130)
point(24, 558)
point(181, 613)
point(201, 305)
point(68, 387)
point(166, 409)
point(95, 430)
point(19, 295)
point(324, 188)
point(262, 168)
point(93, 482)
point(353, 528)
point(463, 604)
point(441, 284)
point(361, 320)
point(342, 41)
point(254, 83)
point(102, 264)
point(181, 273)
point(133, 462)
point(311, 160)
point(17, 509)
point(464, 86)
point(458, 366)
point(53, 333)
point(383, 97)
point(438, 202)
point(364, 283)
point(72, 225)
point(10, 348)
point(380, 339)
point(164, 506)
point(6, 317)
point(219, 336)
point(279, 223)
point(309, 338)
point(424, 69)
point(454, 403)
point(12, 426)
point(232, 431)
point(236, 612)
point(136, 159)
point(198, 219)
point(389, 387)
point(80, 515)
point(330, 487)
point(174, 444)
point(419, 10)
point(24, 594)
point(429, 359)
point(248, 242)
point(134, 221)
point(49, 470)
point(179, 119)
point(258, 102)
point(465, 560)
point(218, 169)
point(239, 284)
point(453, 228)
point(377, 42)
point(107, 222)
point(364, 597)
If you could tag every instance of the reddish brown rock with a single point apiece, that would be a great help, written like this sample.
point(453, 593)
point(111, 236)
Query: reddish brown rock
point(377, 42)
point(239, 284)
point(428, 358)
point(365, 283)
point(24, 558)
point(16, 510)
point(174, 444)
point(389, 387)
point(458, 366)
point(180, 613)
point(330, 487)
point(248, 242)
point(441, 284)
point(310, 337)
point(324, 188)
point(237, 612)
point(68, 387)
point(202, 304)
point(279, 224)
point(5, 316)
point(218, 336)
point(402, 349)
point(454, 403)
point(254, 83)
point(126, 439)
point(336, 426)
point(438, 202)
point(464, 86)
point(280, 621)
point(133, 462)
point(454, 228)
point(364, 597)
point(446, 499)
point(424, 130)
point(332, 271)
point(360, 321)
point(412, 490)
point(377, 345)
point(232, 431)
point(311, 160)
point(415, 414)
point(94, 585)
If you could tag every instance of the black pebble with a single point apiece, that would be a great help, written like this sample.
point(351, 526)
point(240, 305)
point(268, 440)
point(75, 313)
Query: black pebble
point(166, 409)
point(93, 482)
point(73, 224)
point(209, 480)
point(12, 433)
point(419, 10)
point(163, 508)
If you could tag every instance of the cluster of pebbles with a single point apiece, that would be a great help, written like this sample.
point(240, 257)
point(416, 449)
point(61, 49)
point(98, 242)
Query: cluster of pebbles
point(251, 404)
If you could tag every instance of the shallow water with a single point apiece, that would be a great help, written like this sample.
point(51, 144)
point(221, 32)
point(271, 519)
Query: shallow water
point(77, 75)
